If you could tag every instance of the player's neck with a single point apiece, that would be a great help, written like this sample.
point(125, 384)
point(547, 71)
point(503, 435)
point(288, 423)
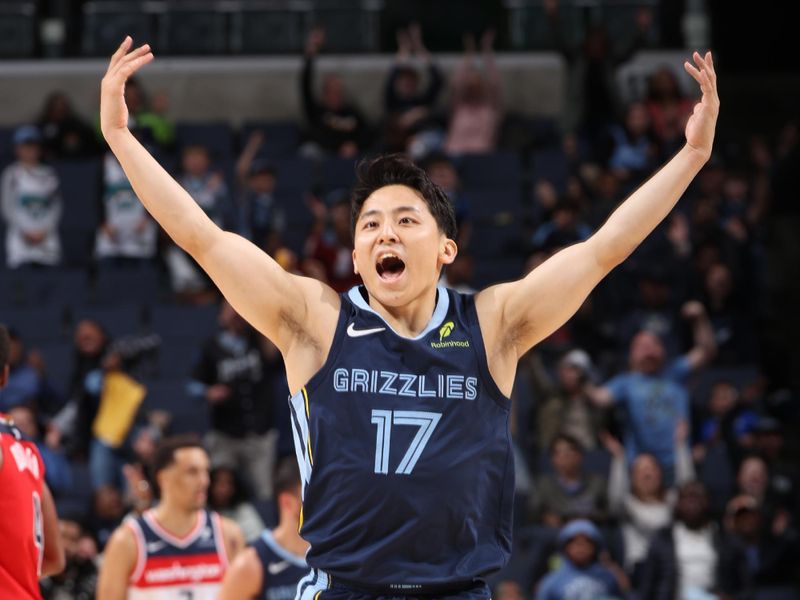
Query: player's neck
point(410, 319)
point(177, 521)
point(287, 537)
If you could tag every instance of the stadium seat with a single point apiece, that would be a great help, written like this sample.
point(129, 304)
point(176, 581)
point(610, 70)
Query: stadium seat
point(350, 25)
point(36, 287)
point(118, 320)
point(195, 28)
point(294, 174)
point(216, 137)
point(495, 204)
point(184, 323)
point(35, 325)
point(77, 502)
point(491, 271)
point(716, 472)
point(189, 413)
point(59, 361)
point(80, 194)
point(550, 164)
point(264, 28)
point(18, 29)
point(6, 146)
point(177, 359)
point(497, 240)
point(281, 138)
point(105, 23)
point(128, 284)
point(337, 173)
point(500, 169)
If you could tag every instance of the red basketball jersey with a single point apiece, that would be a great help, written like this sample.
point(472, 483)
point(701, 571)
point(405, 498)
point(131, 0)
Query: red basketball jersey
point(21, 524)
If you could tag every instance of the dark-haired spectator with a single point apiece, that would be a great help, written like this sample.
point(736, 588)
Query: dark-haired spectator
point(562, 403)
point(668, 107)
point(585, 572)
point(410, 122)
point(444, 173)
point(336, 127)
point(127, 234)
point(64, 133)
point(330, 243)
point(31, 204)
point(108, 511)
point(564, 228)
point(475, 101)
point(641, 500)
point(79, 578)
point(732, 322)
point(694, 558)
point(569, 491)
point(728, 422)
point(27, 383)
point(261, 219)
point(633, 151)
point(653, 393)
point(227, 496)
point(233, 377)
point(147, 117)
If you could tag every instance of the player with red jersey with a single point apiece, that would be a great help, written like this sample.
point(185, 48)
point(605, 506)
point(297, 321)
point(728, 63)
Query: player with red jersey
point(30, 544)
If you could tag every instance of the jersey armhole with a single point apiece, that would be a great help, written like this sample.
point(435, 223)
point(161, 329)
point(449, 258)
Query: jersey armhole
point(141, 553)
point(219, 537)
point(345, 310)
point(471, 315)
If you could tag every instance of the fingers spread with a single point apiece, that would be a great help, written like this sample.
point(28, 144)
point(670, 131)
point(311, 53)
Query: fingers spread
point(133, 57)
point(123, 48)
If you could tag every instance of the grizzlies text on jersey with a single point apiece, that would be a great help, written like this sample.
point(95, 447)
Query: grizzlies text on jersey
point(405, 454)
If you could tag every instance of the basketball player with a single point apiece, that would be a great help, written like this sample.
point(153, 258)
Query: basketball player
point(177, 550)
point(401, 389)
point(30, 542)
point(270, 567)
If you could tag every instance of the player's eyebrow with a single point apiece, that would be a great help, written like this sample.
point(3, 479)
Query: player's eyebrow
point(399, 209)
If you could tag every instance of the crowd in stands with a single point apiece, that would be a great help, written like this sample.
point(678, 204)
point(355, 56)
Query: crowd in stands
point(653, 461)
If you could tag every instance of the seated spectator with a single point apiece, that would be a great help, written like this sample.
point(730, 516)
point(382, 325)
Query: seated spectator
point(634, 152)
point(668, 108)
point(562, 405)
point(227, 496)
point(653, 394)
point(330, 243)
point(693, 559)
point(728, 422)
point(641, 502)
point(27, 382)
point(336, 127)
point(770, 556)
point(58, 472)
point(568, 492)
point(563, 229)
point(410, 123)
point(731, 319)
point(261, 219)
point(475, 101)
point(78, 580)
point(108, 512)
point(585, 572)
point(31, 204)
point(443, 172)
point(127, 234)
point(769, 442)
point(775, 502)
point(64, 133)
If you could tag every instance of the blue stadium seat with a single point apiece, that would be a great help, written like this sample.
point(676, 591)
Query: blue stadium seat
point(59, 362)
point(717, 473)
point(77, 502)
point(106, 23)
point(497, 240)
point(337, 173)
point(35, 325)
point(497, 270)
point(266, 510)
point(126, 284)
point(495, 203)
point(294, 174)
point(80, 190)
point(189, 413)
point(216, 137)
point(298, 220)
point(118, 320)
point(184, 323)
point(500, 169)
point(38, 287)
point(551, 165)
point(281, 138)
point(177, 358)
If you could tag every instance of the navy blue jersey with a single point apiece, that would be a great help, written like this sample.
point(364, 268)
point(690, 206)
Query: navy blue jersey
point(282, 569)
point(405, 453)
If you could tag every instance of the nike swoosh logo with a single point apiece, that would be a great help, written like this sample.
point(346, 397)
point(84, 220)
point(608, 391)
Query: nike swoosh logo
point(154, 547)
point(278, 567)
point(353, 332)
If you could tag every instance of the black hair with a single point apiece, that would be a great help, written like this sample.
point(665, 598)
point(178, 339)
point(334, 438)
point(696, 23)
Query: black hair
point(164, 456)
point(239, 493)
point(287, 476)
point(397, 169)
point(5, 346)
point(569, 439)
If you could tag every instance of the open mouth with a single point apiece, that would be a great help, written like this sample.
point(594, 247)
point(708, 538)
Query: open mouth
point(390, 267)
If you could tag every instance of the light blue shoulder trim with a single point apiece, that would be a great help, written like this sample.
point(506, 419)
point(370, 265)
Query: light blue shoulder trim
point(270, 541)
point(439, 313)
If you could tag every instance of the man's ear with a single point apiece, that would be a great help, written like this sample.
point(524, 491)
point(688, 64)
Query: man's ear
point(355, 266)
point(448, 251)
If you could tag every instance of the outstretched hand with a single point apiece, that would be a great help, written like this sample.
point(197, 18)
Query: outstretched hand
point(701, 125)
point(124, 63)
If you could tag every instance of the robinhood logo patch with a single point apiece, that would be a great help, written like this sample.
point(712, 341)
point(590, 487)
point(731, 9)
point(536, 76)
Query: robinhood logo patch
point(444, 332)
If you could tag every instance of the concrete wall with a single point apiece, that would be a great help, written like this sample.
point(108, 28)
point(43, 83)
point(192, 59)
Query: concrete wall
point(237, 89)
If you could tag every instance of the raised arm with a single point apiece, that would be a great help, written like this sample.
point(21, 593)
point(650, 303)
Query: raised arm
point(274, 302)
point(518, 315)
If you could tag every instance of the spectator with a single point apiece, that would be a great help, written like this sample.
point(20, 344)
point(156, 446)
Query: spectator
point(563, 229)
point(262, 220)
point(728, 422)
point(148, 119)
point(410, 122)
point(335, 126)
point(585, 572)
point(770, 557)
point(653, 395)
point(443, 172)
point(58, 472)
point(633, 152)
point(769, 442)
point(108, 512)
point(475, 102)
point(775, 501)
point(31, 204)
point(668, 107)
point(733, 325)
point(232, 375)
point(642, 503)
point(568, 492)
point(227, 496)
point(330, 243)
point(127, 234)
point(64, 133)
point(562, 405)
point(78, 580)
point(693, 559)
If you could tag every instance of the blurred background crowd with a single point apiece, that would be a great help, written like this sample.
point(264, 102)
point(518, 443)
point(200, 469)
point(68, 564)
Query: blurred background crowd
point(655, 433)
